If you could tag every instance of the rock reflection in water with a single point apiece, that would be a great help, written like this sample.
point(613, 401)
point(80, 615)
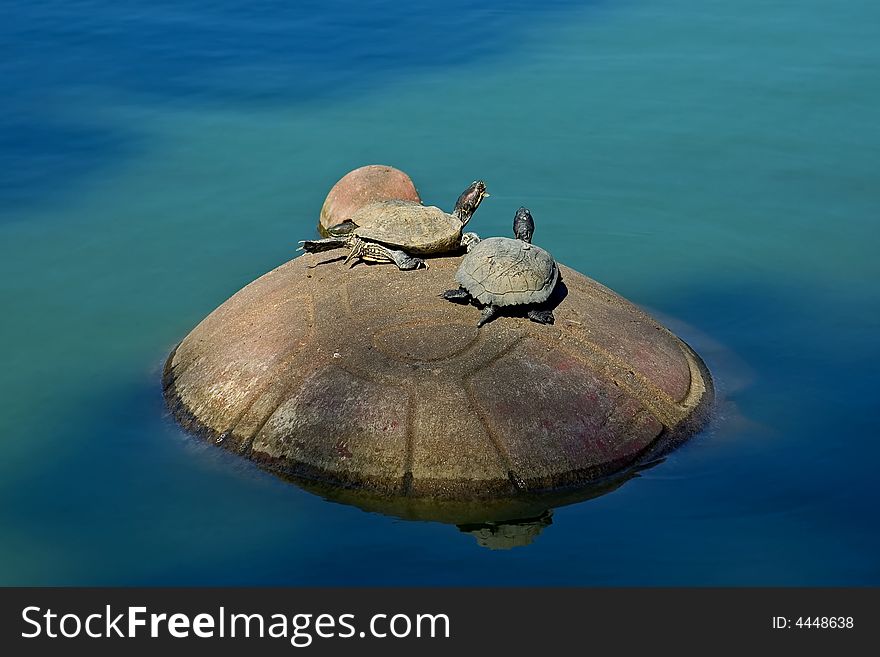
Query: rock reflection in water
point(508, 534)
point(497, 524)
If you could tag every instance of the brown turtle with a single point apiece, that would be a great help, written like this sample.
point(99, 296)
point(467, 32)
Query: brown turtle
point(397, 231)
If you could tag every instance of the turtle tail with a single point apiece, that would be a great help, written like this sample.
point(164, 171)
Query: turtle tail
point(316, 246)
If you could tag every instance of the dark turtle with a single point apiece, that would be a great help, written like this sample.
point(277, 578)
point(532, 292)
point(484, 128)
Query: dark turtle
point(397, 230)
point(500, 271)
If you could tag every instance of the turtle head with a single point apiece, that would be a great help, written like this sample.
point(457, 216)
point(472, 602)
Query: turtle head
point(523, 225)
point(469, 201)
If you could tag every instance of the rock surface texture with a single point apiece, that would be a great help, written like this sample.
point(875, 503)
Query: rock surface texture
point(369, 184)
point(364, 378)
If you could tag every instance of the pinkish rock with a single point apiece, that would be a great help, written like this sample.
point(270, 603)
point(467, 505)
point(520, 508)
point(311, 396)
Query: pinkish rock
point(369, 184)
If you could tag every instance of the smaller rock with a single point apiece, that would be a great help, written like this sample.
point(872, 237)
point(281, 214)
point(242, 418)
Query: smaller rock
point(368, 184)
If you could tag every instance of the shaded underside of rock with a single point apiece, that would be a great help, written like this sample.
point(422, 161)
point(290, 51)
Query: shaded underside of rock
point(366, 379)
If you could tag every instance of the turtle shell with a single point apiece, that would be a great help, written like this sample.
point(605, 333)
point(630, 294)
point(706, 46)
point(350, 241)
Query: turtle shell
point(500, 271)
point(418, 229)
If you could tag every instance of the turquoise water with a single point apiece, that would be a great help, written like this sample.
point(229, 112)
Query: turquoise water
point(712, 161)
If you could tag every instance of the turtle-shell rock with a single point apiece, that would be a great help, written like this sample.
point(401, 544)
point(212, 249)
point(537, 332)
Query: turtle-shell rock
point(366, 379)
point(502, 271)
point(418, 228)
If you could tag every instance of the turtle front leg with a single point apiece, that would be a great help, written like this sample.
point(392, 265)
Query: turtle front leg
point(457, 296)
point(486, 314)
point(469, 241)
point(540, 316)
point(405, 261)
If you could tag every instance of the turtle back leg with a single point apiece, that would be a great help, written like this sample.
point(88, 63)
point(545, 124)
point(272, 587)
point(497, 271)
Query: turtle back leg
point(356, 254)
point(540, 316)
point(373, 252)
point(457, 296)
point(328, 244)
point(486, 314)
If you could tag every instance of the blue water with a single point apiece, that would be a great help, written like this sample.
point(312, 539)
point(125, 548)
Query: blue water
point(715, 162)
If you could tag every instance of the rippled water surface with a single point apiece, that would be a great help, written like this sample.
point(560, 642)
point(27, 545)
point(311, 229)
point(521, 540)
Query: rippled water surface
point(715, 162)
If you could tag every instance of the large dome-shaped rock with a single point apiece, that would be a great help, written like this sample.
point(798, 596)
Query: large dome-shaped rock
point(366, 379)
point(363, 186)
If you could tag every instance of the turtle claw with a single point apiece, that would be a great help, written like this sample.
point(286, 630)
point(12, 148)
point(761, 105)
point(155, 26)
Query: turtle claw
point(456, 296)
point(406, 262)
point(487, 314)
point(541, 316)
